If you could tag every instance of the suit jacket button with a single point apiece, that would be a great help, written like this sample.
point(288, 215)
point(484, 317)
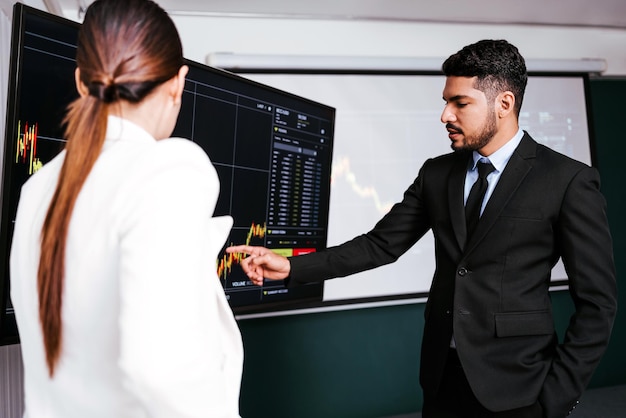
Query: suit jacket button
point(462, 271)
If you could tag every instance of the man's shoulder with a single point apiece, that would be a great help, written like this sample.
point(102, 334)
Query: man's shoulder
point(447, 161)
point(553, 158)
point(530, 148)
point(451, 158)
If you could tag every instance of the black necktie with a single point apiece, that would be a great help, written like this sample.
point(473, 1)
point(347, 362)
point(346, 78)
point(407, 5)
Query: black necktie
point(476, 196)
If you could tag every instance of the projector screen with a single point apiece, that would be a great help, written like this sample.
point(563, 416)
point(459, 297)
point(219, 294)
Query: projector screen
point(386, 126)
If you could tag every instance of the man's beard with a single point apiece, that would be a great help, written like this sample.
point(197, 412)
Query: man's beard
point(478, 141)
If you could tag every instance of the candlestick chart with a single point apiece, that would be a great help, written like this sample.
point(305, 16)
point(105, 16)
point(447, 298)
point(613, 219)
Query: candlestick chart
point(226, 261)
point(26, 147)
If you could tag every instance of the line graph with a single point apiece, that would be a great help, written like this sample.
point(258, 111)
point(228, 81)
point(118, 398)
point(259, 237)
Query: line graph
point(341, 169)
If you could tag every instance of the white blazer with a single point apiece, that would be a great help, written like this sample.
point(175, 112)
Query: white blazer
point(147, 330)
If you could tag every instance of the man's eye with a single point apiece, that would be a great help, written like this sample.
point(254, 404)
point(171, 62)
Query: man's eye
point(462, 104)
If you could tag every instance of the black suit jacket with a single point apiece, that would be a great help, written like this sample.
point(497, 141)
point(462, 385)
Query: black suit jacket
point(492, 291)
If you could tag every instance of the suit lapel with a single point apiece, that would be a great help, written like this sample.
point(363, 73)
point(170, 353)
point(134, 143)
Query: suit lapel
point(455, 198)
point(516, 170)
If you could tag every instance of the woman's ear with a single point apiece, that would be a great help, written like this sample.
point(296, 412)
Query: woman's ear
point(178, 84)
point(80, 86)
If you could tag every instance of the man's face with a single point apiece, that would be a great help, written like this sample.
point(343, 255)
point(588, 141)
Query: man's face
point(469, 116)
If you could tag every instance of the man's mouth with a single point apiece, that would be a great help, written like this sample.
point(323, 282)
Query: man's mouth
point(453, 131)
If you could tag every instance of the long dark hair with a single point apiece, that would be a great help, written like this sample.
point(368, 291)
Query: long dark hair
point(125, 49)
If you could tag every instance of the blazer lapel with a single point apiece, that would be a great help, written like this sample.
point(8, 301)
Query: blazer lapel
point(455, 199)
point(516, 170)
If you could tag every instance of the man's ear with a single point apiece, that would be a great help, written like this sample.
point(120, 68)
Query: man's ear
point(505, 102)
point(80, 86)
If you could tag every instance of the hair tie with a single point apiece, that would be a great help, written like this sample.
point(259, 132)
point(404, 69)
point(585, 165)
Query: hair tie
point(106, 92)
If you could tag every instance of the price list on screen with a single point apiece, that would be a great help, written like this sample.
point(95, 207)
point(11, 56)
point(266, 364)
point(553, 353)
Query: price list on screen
point(296, 176)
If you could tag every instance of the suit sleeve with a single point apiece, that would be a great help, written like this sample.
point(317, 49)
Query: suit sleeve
point(392, 236)
point(586, 250)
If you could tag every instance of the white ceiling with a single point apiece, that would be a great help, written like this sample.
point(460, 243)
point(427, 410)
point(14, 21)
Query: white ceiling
point(586, 13)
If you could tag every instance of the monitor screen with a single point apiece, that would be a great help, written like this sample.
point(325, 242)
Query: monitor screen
point(272, 151)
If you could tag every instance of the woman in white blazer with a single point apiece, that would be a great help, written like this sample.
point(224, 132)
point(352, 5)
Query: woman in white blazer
point(113, 275)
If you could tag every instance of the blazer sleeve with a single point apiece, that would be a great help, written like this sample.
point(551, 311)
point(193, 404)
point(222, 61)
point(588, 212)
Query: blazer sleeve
point(587, 254)
point(173, 338)
point(392, 236)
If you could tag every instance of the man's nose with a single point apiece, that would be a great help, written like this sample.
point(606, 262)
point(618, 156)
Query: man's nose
point(447, 115)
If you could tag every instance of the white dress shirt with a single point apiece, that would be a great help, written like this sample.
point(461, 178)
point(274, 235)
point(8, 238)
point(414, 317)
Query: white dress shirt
point(147, 330)
point(498, 159)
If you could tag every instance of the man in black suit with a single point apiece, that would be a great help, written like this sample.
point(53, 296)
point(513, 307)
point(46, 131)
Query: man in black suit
point(489, 347)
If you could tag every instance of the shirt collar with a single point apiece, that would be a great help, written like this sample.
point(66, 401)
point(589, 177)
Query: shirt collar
point(502, 155)
point(120, 129)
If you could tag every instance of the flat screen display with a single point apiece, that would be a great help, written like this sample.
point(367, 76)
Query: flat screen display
point(272, 151)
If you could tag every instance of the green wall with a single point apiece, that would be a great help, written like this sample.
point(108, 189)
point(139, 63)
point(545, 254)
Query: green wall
point(365, 362)
point(353, 363)
point(608, 112)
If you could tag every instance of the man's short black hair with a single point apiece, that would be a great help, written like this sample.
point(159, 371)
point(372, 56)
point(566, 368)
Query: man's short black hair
point(497, 64)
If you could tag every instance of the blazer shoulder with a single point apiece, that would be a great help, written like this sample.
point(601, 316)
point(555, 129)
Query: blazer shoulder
point(548, 153)
point(446, 161)
point(547, 157)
